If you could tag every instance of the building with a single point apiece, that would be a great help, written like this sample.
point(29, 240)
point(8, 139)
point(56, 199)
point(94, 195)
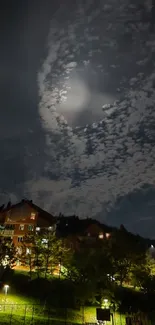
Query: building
point(75, 230)
point(17, 220)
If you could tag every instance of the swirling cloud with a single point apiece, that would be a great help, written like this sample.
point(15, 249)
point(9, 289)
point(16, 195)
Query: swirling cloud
point(111, 154)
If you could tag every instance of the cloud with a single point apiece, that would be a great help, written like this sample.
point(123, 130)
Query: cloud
point(89, 167)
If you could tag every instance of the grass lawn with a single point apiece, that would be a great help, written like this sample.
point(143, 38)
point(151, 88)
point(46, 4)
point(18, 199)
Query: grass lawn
point(20, 309)
point(11, 299)
point(15, 309)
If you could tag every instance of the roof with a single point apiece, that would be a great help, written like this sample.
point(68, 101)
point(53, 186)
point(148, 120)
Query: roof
point(42, 213)
point(75, 226)
point(48, 216)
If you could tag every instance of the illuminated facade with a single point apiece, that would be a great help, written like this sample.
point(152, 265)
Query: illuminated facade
point(16, 221)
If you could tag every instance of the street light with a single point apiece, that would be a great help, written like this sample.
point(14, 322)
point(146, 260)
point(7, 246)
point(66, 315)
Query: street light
point(6, 287)
point(105, 304)
point(105, 301)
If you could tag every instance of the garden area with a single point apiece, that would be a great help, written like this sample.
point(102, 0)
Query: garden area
point(19, 310)
point(117, 274)
point(40, 301)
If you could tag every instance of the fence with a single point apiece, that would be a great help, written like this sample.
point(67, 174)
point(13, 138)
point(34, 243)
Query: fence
point(39, 314)
point(16, 314)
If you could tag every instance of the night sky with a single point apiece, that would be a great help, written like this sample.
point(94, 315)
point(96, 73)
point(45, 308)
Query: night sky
point(77, 93)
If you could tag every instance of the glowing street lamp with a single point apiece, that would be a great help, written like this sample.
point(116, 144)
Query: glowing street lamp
point(105, 303)
point(6, 288)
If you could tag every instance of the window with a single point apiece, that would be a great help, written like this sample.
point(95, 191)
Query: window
point(21, 227)
point(20, 239)
point(101, 236)
point(32, 216)
point(28, 250)
point(9, 227)
point(107, 235)
point(30, 227)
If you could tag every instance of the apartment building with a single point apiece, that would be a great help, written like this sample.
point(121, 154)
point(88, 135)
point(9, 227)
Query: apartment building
point(22, 218)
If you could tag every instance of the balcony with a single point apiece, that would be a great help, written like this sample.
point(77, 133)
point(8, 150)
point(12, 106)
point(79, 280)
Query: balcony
point(6, 232)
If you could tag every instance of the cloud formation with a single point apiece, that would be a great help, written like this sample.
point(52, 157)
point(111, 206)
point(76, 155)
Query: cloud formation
point(91, 164)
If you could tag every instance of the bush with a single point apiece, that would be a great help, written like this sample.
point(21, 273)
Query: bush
point(130, 300)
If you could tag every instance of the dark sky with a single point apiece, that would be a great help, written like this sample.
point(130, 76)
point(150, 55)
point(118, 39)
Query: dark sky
point(24, 30)
point(77, 108)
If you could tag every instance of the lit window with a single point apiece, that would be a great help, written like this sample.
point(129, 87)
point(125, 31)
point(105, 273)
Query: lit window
point(30, 227)
point(101, 236)
point(5, 261)
point(33, 216)
point(20, 239)
point(21, 227)
point(37, 228)
point(28, 250)
point(107, 235)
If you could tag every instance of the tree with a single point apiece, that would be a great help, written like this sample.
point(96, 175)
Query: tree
point(7, 254)
point(126, 253)
point(148, 284)
point(54, 253)
point(46, 252)
point(82, 274)
point(142, 275)
point(140, 271)
point(89, 269)
point(27, 256)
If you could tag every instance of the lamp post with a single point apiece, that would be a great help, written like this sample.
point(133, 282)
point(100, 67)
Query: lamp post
point(6, 287)
point(105, 303)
